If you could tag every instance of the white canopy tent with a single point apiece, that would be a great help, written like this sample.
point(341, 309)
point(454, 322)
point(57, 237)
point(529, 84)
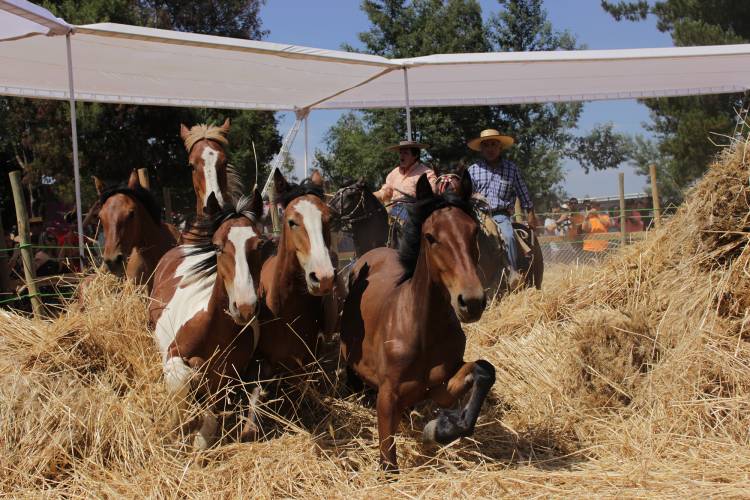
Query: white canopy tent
point(135, 65)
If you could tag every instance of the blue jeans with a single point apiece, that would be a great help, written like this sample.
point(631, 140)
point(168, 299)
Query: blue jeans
point(505, 225)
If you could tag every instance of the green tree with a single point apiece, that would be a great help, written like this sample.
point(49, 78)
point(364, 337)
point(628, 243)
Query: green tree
point(686, 128)
point(354, 145)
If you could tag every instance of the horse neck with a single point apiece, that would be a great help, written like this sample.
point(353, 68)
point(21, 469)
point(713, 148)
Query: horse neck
point(154, 239)
point(370, 232)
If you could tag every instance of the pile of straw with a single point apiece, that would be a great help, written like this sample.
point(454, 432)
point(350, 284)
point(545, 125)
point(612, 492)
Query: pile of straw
point(631, 379)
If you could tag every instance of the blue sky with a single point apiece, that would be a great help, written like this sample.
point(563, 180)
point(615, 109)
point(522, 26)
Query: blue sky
point(329, 23)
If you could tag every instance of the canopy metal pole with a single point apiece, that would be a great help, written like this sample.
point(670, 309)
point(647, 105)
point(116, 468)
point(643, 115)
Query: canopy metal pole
point(306, 142)
point(74, 133)
point(408, 107)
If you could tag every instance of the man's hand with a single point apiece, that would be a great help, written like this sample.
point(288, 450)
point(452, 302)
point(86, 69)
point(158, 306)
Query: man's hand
point(385, 194)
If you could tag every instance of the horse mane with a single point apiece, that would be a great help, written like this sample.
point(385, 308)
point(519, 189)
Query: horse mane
point(235, 186)
point(418, 212)
point(302, 189)
point(202, 233)
point(137, 193)
point(202, 131)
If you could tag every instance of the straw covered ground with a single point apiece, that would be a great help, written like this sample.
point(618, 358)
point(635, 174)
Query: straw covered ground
point(632, 379)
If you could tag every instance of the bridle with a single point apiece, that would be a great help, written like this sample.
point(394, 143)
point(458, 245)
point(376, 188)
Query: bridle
point(445, 181)
point(346, 220)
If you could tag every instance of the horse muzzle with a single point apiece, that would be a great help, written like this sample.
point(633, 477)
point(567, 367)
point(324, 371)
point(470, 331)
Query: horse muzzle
point(469, 305)
point(115, 264)
point(242, 313)
point(320, 284)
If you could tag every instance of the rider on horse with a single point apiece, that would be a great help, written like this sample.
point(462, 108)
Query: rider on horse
point(402, 181)
point(499, 181)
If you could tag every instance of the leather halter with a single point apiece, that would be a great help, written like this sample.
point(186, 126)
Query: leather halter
point(446, 181)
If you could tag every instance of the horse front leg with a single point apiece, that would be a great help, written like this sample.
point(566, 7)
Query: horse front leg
point(450, 425)
point(388, 419)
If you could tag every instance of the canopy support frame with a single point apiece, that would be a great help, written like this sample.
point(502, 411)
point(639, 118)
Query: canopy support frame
point(408, 107)
point(74, 137)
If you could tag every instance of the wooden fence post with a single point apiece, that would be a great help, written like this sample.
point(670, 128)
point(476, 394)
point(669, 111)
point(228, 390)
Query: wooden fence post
point(23, 232)
point(655, 196)
point(622, 208)
point(4, 262)
point(143, 178)
point(167, 194)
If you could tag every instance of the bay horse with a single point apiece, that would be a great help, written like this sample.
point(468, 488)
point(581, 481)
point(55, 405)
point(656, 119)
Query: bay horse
point(204, 305)
point(293, 282)
point(494, 266)
point(212, 175)
point(357, 211)
point(135, 238)
point(401, 325)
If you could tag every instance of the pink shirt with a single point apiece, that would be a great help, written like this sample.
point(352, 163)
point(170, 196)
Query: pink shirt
point(406, 180)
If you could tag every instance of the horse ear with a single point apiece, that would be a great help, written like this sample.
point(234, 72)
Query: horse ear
point(133, 181)
point(467, 186)
point(424, 189)
point(256, 203)
point(280, 185)
point(184, 131)
point(225, 126)
point(316, 178)
point(98, 184)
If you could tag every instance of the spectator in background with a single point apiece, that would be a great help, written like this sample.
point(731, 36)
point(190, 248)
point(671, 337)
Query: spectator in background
point(647, 214)
point(594, 224)
point(550, 222)
point(633, 221)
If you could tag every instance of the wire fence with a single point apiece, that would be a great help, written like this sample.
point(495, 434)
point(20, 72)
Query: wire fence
point(557, 243)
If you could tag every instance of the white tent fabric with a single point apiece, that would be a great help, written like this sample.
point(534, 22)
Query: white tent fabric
point(21, 19)
point(127, 64)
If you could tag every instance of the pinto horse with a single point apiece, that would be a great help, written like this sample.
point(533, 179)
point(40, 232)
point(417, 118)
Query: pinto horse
point(212, 175)
point(204, 304)
point(135, 238)
point(401, 325)
point(293, 283)
point(355, 209)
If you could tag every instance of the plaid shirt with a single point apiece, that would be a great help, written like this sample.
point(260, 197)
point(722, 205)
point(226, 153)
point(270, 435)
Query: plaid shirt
point(500, 185)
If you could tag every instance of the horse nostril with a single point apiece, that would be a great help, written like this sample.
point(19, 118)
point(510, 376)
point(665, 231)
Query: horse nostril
point(461, 301)
point(314, 278)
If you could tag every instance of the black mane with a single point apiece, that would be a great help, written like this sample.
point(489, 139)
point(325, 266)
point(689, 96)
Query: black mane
point(418, 212)
point(296, 190)
point(138, 194)
point(202, 233)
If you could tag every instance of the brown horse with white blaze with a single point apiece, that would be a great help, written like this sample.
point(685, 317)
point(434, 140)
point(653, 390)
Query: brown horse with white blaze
point(401, 325)
point(135, 238)
point(294, 281)
point(204, 305)
point(211, 172)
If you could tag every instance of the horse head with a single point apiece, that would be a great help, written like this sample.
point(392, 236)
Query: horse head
point(306, 231)
point(448, 242)
point(237, 246)
point(125, 214)
point(348, 203)
point(208, 161)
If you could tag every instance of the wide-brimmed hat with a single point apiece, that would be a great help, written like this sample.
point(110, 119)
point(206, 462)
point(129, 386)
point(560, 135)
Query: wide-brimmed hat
point(407, 145)
point(491, 134)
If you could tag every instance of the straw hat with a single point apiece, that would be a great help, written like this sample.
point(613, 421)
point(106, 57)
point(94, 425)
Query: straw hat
point(491, 134)
point(407, 144)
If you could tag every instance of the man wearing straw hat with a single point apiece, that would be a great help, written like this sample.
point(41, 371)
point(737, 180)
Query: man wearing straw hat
point(499, 181)
point(402, 181)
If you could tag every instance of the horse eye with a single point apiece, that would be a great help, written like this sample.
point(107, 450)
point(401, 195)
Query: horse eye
point(292, 224)
point(430, 238)
point(219, 250)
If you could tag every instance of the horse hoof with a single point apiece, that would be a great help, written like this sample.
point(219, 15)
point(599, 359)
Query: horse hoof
point(444, 429)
